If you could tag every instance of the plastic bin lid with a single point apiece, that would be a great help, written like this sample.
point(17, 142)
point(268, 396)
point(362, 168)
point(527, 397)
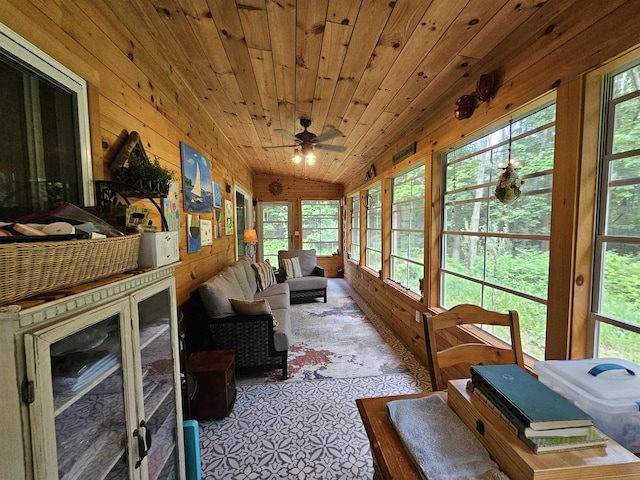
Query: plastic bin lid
point(608, 383)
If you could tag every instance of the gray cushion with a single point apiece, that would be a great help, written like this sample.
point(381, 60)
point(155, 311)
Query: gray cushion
point(238, 272)
point(215, 294)
point(308, 259)
point(281, 333)
point(306, 283)
point(246, 262)
point(277, 295)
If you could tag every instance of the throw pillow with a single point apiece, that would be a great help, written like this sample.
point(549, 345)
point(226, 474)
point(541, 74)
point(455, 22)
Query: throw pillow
point(251, 307)
point(292, 267)
point(264, 275)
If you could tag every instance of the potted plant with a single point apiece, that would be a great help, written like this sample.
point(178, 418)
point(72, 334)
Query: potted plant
point(132, 167)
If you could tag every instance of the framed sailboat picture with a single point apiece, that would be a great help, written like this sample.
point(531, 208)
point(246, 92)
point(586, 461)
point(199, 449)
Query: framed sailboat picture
point(196, 180)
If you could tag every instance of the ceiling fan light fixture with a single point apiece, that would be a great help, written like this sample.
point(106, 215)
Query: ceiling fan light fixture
point(311, 158)
point(296, 156)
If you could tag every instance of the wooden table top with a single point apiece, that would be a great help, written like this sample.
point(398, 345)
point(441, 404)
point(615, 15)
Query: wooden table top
point(392, 461)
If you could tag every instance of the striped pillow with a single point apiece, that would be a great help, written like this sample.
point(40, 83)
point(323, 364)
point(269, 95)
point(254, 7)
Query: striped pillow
point(292, 267)
point(264, 275)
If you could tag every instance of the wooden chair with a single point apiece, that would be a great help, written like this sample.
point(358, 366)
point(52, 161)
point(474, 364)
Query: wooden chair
point(469, 353)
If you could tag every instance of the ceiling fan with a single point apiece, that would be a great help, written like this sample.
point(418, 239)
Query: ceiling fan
point(307, 140)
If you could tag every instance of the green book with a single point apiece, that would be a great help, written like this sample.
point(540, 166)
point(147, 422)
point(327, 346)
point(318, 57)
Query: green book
point(555, 443)
point(524, 397)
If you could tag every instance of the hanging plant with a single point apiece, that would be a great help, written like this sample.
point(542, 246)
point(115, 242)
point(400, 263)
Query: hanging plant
point(508, 187)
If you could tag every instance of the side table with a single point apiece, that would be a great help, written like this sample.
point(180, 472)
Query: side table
point(216, 380)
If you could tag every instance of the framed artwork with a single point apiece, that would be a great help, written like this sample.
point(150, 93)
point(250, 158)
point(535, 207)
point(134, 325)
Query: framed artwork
point(206, 232)
point(217, 195)
point(217, 224)
point(171, 210)
point(193, 234)
point(196, 180)
point(228, 217)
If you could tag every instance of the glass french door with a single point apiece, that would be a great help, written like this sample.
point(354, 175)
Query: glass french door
point(81, 407)
point(157, 432)
point(275, 230)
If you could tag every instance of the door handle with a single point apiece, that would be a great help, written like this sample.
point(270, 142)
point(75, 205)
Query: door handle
point(144, 442)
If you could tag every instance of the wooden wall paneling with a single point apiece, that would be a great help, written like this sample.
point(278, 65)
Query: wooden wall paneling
point(363, 227)
point(372, 18)
point(469, 22)
point(332, 53)
point(386, 226)
point(282, 21)
point(310, 22)
point(220, 84)
point(232, 35)
point(433, 227)
point(564, 219)
point(399, 28)
point(255, 24)
point(584, 48)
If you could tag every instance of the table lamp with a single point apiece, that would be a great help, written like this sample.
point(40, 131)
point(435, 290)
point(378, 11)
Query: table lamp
point(250, 238)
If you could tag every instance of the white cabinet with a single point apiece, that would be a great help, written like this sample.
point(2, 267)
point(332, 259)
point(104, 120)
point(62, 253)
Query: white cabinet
point(96, 387)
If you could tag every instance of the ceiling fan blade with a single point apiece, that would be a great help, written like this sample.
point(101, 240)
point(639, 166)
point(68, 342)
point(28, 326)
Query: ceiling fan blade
point(288, 135)
point(328, 135)
point(280, 146)
point(330, 148)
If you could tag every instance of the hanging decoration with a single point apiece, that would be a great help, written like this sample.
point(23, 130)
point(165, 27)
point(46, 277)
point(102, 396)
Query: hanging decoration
point(508, 187)
point(485, 89)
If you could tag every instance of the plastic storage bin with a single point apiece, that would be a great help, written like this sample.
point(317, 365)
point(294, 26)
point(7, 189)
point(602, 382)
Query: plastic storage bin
point(608, 389)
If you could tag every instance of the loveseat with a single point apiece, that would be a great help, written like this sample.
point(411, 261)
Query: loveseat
point(305, 278)
point(232, 306)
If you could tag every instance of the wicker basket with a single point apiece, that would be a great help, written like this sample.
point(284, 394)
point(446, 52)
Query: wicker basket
point(30, 268)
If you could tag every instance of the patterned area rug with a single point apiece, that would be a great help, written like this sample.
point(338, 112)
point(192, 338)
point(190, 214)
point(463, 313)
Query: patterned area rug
point(308, 427)
point(336, 340)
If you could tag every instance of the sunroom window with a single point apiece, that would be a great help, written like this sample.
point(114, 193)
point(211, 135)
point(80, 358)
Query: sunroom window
point(374, 228)
point(407, 229)
point(495, 255)
point(615, 310)
point(355, 227)
point(321, 226)
point(44, 132)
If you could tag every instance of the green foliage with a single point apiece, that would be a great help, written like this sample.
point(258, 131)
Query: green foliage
point(140, 167)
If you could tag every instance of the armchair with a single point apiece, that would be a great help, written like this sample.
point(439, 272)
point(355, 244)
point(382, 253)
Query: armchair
point(311, 282)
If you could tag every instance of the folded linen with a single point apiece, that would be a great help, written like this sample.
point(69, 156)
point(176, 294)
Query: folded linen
point(440, 444)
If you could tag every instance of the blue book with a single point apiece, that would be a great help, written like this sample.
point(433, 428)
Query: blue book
point(532, 403)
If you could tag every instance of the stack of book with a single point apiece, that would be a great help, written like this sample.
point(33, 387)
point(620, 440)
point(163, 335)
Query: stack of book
point(543, 419)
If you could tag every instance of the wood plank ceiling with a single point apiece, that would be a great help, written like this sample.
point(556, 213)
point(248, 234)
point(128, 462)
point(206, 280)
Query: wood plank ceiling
point(372, 69)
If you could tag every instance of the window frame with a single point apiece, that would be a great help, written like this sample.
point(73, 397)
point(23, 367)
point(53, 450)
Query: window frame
point(421, 165)
point(38, 62)
point(596, 318)
point(337, 228)
point(354, 227)
point(444, 233)
point(378, 210)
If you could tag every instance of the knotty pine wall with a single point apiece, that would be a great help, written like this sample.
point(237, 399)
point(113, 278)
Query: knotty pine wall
point(131, 87)
point(538, 69)
point(294, 190)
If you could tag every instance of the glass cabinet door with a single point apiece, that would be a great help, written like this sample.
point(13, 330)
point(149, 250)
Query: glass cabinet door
point(156, 313)
point(79, 397)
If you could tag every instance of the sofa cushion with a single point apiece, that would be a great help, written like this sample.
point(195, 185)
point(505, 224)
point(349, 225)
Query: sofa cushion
point(215, 294)
point(246, 262)
point(264, 275)
point(308, 259)
point(251, 307)
point(238, 272)
point(277, 295)
point(292, 267)
point(282, 332)
point(307, 283)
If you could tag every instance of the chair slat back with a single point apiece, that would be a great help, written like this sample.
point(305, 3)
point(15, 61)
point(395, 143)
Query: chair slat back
point(470, 353)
